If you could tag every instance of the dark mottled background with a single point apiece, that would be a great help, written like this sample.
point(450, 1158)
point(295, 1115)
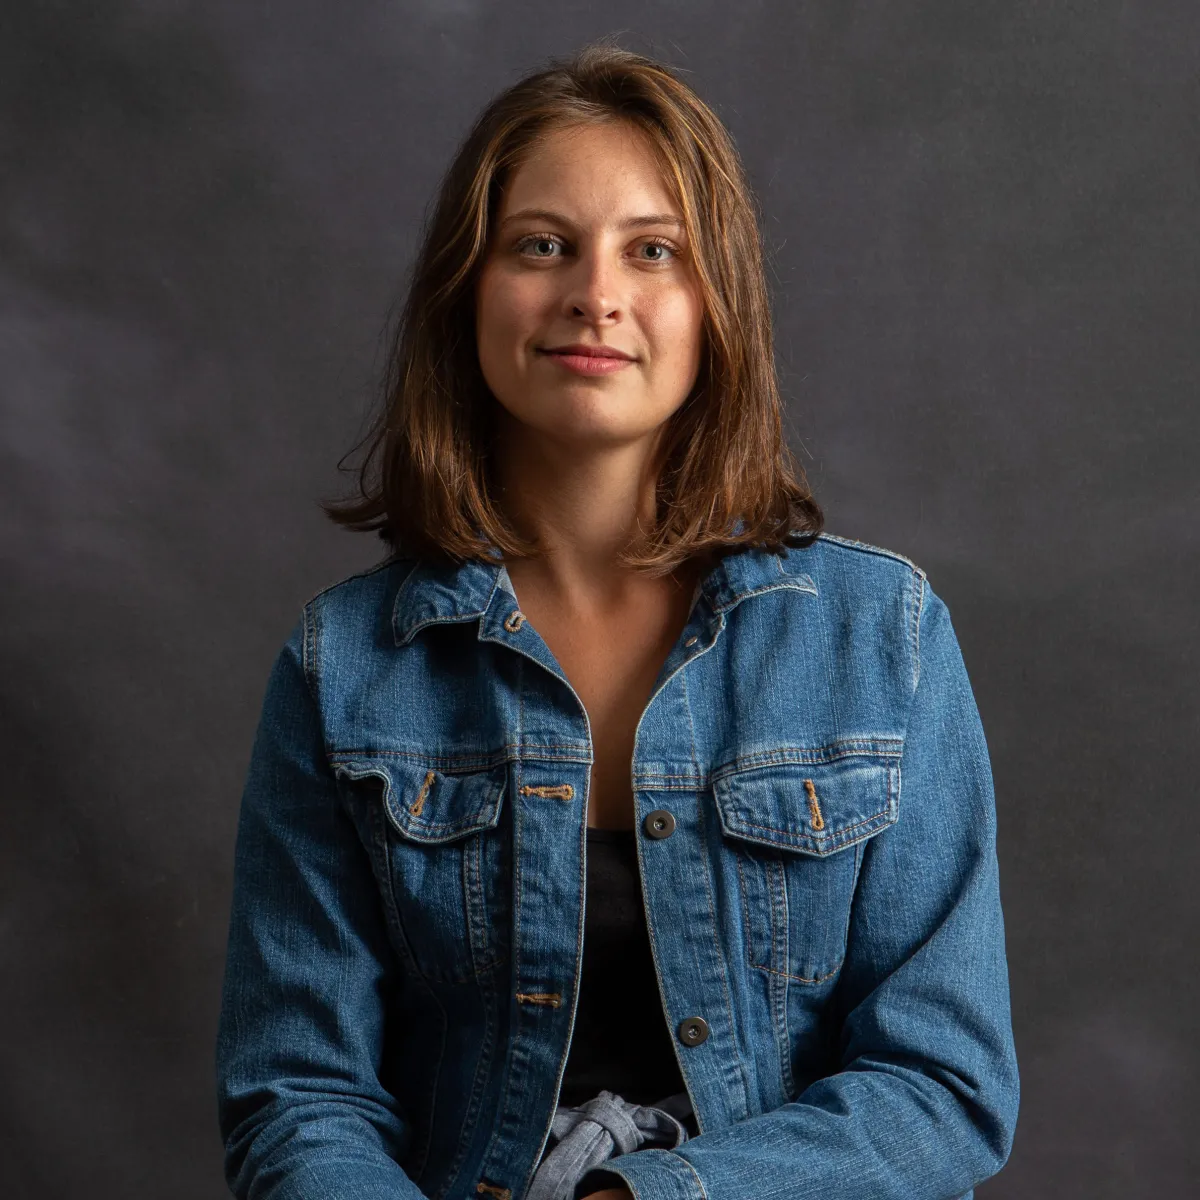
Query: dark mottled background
point(982, 219)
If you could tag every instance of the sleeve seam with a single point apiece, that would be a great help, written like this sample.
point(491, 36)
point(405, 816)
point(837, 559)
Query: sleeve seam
point(677, 1157)
point(309, 653)
point(916, 630)
point(695, 1173)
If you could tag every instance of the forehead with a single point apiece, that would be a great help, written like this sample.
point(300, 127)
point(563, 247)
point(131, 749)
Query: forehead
point(610, 167)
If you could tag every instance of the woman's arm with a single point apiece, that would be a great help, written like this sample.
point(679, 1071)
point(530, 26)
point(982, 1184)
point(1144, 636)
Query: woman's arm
point(302, 1111)
point(925, 1101)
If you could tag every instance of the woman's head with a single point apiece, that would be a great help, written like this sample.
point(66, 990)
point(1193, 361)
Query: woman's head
point(588, 252)
point(469, 346)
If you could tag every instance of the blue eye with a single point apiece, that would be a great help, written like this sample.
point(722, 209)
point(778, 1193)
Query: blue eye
point(539, 240)
point(659, 246)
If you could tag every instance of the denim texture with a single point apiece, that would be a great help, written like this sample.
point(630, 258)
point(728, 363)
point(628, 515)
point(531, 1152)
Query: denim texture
point(407, 919)
point(586, 1136)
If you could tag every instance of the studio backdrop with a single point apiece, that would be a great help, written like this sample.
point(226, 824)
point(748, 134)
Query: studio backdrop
point(984, 249)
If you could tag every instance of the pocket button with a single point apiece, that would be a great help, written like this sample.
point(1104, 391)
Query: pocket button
point(659, 824)
point(693, 1030)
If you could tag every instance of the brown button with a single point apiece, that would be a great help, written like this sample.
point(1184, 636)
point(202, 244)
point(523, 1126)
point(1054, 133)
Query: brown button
point(659, 824)
point(693, 1030)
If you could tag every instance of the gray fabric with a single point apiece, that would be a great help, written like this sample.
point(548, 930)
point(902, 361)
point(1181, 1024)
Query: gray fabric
point(604, 1127)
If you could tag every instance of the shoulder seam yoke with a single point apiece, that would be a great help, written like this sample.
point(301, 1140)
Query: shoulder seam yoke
point(867, 548)
point(382, 566)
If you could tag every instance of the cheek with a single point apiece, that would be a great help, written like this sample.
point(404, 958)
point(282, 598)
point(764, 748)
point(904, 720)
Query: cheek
point(506, 312)
point(492, 316)
point(675, 318)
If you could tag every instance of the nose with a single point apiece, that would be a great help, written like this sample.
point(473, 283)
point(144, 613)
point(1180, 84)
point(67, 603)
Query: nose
point(595, 291)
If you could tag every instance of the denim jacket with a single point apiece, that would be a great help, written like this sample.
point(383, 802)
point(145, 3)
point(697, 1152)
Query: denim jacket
point(816, 843)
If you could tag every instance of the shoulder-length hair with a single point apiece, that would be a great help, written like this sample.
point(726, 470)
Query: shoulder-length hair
point(726, 479)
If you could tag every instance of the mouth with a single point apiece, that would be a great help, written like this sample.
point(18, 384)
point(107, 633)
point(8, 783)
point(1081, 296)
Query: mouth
point(587, 360)
point(579, 350)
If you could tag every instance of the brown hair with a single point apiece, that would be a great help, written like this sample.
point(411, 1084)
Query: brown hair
point(727, 478)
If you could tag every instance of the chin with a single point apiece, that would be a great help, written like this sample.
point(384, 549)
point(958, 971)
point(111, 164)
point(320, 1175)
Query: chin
point(584, 419)
point(593, 434)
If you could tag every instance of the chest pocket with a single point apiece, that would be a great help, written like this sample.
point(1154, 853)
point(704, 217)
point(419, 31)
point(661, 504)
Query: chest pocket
point(798, 833)
point(442, 856)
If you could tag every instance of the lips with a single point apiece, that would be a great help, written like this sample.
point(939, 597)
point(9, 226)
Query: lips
point(594, 361)
point(579, 350)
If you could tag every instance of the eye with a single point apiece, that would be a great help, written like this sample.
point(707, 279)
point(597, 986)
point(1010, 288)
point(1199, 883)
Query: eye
point(542, 244)
point(664, 250)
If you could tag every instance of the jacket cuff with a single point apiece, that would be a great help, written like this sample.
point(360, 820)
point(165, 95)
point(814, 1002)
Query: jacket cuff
point(655, 1174)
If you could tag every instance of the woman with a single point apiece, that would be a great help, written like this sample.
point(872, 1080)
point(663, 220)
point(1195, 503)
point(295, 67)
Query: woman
point(621, 818)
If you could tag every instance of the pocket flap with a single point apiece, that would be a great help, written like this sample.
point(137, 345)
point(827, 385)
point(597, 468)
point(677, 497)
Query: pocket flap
point(815, 808)
point(429, 805)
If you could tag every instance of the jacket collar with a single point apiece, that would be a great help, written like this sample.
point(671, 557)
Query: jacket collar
point(438, 594)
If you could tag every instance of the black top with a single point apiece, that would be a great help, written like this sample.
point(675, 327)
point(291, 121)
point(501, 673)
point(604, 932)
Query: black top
point(621, 1040)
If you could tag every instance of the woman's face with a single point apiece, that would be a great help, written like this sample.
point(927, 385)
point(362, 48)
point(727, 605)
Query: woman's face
point(589, 252)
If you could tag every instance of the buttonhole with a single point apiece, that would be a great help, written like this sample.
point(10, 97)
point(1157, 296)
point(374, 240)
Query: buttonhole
point(549, 999)
point(560, 791)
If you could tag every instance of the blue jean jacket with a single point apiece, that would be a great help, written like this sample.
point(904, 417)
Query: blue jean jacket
point(817, 849)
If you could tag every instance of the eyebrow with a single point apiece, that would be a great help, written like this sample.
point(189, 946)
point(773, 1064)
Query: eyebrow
point(545, 214)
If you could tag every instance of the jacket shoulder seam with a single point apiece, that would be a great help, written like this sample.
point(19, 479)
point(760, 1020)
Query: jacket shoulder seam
point(364, 574)
point(918, 610)
point(868, 548)
point(308, 651)
point(310, 619)
point(915, 593)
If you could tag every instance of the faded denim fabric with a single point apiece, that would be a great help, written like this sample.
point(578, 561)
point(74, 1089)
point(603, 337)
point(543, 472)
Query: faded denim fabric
point(590, 1134)
point(407, 920)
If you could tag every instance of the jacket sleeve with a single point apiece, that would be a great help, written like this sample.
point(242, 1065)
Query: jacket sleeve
point(924, 1102)
point(302, 1111)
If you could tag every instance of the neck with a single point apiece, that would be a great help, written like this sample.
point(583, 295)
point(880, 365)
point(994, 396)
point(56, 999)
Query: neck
point(582, 507)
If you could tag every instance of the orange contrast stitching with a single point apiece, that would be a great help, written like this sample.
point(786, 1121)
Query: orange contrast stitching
point(814, 809)
point(423, 794)
point(562, 791)
point(501, 1193)
point(550, 999)
point(514, 620)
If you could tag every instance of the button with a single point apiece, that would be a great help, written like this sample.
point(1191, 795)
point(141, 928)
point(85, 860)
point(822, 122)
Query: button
point(691, 641)
point(659, 824)
point(693, 1030)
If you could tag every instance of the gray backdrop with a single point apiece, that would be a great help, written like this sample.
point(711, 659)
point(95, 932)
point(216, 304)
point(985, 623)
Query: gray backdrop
point(982, 219)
